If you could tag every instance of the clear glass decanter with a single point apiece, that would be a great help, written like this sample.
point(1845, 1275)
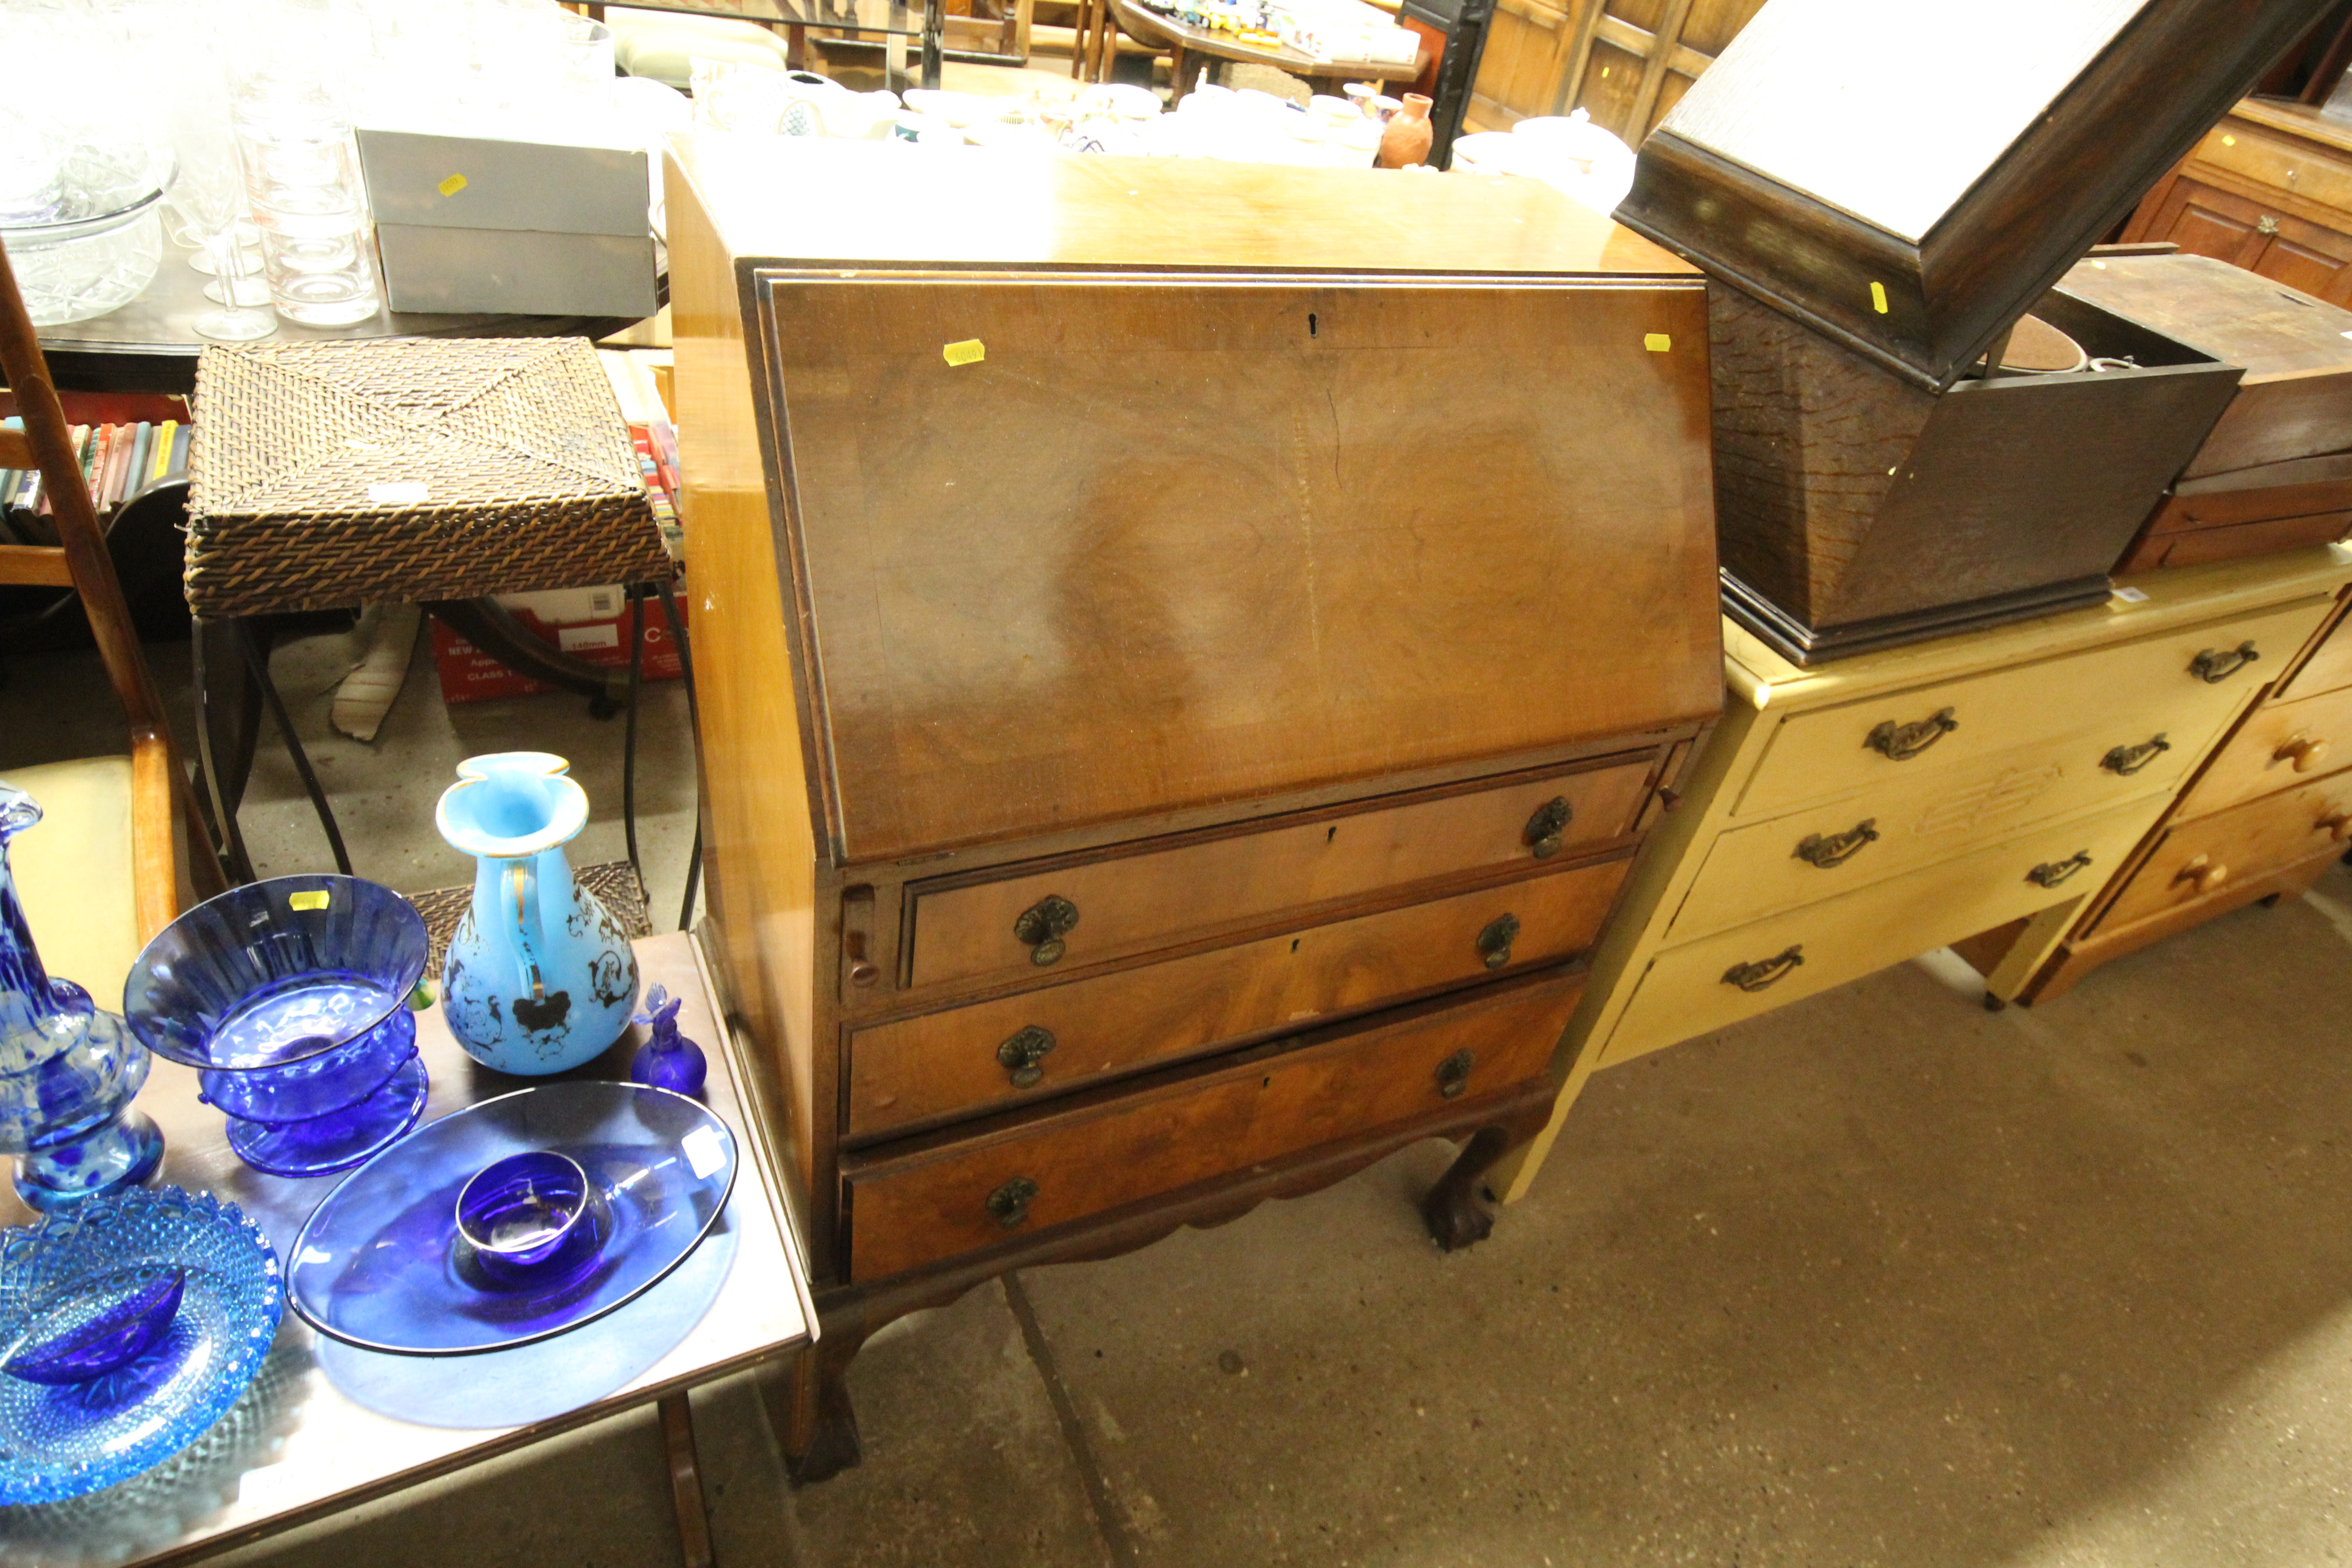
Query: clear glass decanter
point(67, 1070)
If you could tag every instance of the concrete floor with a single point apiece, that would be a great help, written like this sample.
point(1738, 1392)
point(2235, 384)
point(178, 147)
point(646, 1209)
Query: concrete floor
point(1879, 1278)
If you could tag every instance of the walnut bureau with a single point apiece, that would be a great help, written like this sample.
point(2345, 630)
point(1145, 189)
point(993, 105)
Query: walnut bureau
point(2267, 812)
point(1186, 655)
point(1850, 816)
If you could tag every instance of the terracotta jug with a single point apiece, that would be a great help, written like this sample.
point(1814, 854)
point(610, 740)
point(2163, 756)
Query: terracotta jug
point(1406, 141)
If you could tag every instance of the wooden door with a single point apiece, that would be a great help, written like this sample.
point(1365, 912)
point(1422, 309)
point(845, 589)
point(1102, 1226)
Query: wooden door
point(1624, 62)
point(2209, 221)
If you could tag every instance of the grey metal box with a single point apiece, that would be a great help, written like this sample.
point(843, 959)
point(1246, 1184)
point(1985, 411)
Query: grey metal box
point(472, 223)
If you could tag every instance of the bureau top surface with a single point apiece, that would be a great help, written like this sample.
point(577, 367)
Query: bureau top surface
point(2182, 596)
point(790, 201)
point(2227, 312)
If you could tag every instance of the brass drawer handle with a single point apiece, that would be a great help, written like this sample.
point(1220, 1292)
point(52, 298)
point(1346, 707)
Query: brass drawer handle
point(2303, 750)
point(1495, 941)
point(1010, 1203)
point(1043, 925)
point(1022, 1053)
point(2129, 760)
point(2339, 827)
point(1901, 743)
point(2050, 873)
point(2203, 874)
point(2266, 225)
point(1826, 850)
point(1765, 971)
point(1543, 829)
point(1453, 1074)
point(2216, 665)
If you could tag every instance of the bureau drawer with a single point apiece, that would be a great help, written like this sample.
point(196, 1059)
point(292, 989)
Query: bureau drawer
point(1822, 851)
point(1283, 1099)
point(2153, 683)
point(991, 1053)
point(1135, 903)
point(2280, 743)
point(2249, 840)
point(1721, 979)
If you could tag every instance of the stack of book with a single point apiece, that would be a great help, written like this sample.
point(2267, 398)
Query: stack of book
point(118, 461)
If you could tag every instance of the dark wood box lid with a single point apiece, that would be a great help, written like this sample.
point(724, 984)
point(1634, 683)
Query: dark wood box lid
point(2295, 401)
point(1909, 179)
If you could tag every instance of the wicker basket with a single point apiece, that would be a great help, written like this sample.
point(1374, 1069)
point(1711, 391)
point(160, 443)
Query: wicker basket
point(409, 469)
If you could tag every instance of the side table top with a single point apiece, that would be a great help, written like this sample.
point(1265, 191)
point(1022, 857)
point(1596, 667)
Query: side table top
point(304, 1445)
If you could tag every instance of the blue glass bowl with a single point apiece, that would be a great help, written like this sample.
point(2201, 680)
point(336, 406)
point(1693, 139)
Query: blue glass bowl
point(100, 1325)
point(533, 1220)
point(289, 997)
point(274, 972)
point(62, 1440)
point(381, 1263)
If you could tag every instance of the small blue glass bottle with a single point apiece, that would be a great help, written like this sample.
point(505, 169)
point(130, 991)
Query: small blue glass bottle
point(67, 1070)
point(669, 1060)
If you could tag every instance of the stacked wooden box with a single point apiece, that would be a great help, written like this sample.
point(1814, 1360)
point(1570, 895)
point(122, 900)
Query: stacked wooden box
point(1883, 204)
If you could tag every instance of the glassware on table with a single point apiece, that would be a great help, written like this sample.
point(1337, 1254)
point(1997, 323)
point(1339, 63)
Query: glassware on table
point(68, 1071)
point(112, 1263)
point(79, 175)
point(207, 194)
point(539, 976)
point(289, 997)
point(382, 1264)
point(669, 1060)
point(293, 128)
point(532, 1220)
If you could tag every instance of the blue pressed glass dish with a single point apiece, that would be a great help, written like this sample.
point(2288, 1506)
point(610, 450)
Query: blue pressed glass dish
point(383, 1264)
point(101, 1273)
point(289, 998)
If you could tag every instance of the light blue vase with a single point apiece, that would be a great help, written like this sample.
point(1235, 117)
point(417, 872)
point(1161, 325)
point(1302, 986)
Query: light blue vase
point(540, 976)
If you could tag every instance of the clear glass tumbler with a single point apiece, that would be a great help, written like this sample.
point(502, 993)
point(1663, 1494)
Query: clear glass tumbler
point(302, 179)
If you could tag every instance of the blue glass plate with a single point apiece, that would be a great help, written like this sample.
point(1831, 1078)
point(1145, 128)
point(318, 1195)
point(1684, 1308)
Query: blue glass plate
point(62, 1440)
point(380, 1263)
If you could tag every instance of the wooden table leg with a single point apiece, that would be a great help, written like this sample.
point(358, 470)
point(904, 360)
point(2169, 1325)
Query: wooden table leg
point(1177, 84)
point(796, 48)
point(685, 1482)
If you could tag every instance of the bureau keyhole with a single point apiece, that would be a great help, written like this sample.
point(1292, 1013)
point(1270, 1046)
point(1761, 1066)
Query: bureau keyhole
point(1310, 323)
point(1334, 833)
point(1266, 1083)
point(1293, 944)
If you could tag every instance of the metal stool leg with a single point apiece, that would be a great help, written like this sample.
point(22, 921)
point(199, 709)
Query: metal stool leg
point(211, 725)
point(261, 669)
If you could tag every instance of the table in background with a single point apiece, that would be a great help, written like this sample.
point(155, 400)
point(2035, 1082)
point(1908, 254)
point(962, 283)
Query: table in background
point(1182, 41)
point(892, 21)
point(151, 344)
point(340, 1452)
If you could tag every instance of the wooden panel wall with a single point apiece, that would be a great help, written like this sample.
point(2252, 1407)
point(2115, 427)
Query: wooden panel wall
point(1624, 62)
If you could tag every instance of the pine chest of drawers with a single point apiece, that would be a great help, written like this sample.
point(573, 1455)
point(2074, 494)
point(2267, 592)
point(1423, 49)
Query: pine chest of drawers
point(1845, 818)
point(2269, 809)
point(1186, 655)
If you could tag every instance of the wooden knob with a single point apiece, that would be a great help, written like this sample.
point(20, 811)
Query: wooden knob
point(2303, 750)
point(2339, 827)
point(2203, 874)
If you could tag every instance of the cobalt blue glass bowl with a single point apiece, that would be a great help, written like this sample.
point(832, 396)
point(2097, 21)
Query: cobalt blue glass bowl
point(382, 1262)
point(102, 1264)
point(289, 996)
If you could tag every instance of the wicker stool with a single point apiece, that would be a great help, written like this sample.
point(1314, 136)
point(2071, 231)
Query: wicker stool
point(437, 471)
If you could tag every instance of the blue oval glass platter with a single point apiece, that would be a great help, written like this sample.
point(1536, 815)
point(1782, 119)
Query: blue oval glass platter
point(106, 1270)
point(381, 1264)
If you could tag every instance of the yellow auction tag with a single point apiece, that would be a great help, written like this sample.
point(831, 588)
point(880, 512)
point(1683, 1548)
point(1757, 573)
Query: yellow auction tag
point(971, 350)
point(1878, 298)
point(315, 899)
point(1657, 342)
point(453, 185)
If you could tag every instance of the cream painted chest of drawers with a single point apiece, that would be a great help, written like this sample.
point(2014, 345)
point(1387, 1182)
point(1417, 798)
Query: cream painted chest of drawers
point(1850, 816)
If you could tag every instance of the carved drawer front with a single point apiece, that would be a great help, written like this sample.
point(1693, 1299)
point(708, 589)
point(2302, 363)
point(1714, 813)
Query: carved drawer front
point(1822, 851)
point(2280, 744)
point(2246, 841)
point(1027, 923)
point(2182, 683)
point(1032, 1045)
point(1378, 1072)
point(2329, 668)
point(1721, 979)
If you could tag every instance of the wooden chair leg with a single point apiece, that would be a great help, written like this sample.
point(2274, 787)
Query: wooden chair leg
point(1081, 29)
